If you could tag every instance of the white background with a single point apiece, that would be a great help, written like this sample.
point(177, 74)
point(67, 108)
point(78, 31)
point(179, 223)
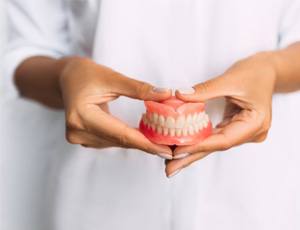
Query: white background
point(23, 164)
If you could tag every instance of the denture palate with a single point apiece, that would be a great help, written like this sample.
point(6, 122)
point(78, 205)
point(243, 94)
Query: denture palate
point(182, 125)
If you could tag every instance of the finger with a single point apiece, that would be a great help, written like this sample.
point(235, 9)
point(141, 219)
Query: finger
point(139, 90)
point(106, 126)
point(211, 89)
point(174, 166)
point(240, 130)
point(88, 140)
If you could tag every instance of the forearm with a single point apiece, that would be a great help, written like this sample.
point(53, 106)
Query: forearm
point(287, 66)
point(37, 78)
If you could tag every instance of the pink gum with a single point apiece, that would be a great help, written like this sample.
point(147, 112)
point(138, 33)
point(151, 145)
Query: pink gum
point(173, 107)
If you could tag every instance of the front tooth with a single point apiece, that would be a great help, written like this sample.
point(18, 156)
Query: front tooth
point(155, 118)
point(159, 130)
point(161, 120)
point(189, 119)
point(172, 132)
point(191, 130)
point(170, 122)
point(195, 116)
point(180, 121)
point(184, 132)
point(178, 132)
point(165, 131)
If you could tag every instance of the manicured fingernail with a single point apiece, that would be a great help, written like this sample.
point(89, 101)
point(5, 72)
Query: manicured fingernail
point(181, 155)
point(186, 91)
point(165, 156)
point(174, 173)
point(160, 90)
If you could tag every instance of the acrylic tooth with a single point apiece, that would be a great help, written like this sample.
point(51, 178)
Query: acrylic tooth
point(184, 132)
point(180, 121)
point(191, 130)
point(200, 125)
point(165, 131)
point(178, 132)
point(159, 130)
point(155, 118)
point(195, 118)
point(161, 120)
point(189, 119)
point(144, 118)
point(172, 132)
point(170, 122)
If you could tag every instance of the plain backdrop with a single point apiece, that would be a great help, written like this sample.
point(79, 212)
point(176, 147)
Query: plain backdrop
point(23, 163)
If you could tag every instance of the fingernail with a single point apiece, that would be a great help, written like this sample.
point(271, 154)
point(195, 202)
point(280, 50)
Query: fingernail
point(181, 155)
point(160, 90)
point(186, 91)
point(165, 156)
point(174, 173)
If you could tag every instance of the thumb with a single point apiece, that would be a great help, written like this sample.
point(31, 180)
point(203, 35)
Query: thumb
point(140, 90)
point(201, 92)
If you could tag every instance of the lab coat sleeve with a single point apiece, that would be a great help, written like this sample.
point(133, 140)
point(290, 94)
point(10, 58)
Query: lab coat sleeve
point(289, 29)
point(34, 28)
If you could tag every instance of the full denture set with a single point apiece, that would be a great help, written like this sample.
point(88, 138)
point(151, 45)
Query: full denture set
point(175, 122)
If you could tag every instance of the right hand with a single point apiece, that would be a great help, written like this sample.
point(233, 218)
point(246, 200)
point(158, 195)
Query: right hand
point(86, 90)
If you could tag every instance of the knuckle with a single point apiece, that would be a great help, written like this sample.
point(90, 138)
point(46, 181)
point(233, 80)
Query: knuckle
point(73, 120)
point(72, 138)
point(262, 137)
point(143, 90)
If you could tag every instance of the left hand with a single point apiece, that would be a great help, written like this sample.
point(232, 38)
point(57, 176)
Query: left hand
point(248, 88)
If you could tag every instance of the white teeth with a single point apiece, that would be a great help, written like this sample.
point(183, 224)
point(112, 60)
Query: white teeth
point(159, 130)
point(165, 131)
point(191, 130)
point(181, 126)
point(178, 132)
point(161, 120)
point(172, 132)
point(170, 122)
point(184, 132)
point(189, 120)
point(180, 121)
point(155, 118)
point(195, 116)
point(199, 117)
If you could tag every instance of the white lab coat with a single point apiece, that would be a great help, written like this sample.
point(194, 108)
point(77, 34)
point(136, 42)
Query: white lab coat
point(170, 43)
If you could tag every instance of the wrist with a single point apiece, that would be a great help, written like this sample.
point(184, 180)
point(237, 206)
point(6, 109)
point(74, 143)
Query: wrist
point(269, 62)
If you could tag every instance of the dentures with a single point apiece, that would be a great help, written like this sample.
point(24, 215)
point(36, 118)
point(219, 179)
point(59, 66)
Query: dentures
point(174, 122)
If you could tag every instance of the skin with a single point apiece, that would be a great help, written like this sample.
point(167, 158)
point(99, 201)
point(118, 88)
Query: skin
point(82, 88)
point(248, 87)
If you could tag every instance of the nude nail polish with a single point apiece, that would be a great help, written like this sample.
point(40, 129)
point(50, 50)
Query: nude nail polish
point(165, 156)
point(174, 173)
point(186, 91)
point(160, 90)
point(181, 155)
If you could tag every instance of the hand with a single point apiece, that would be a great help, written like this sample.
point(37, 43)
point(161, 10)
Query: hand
point(247, 87)
point(86, 89)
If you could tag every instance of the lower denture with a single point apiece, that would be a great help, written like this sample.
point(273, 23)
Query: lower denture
point(174, 122)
